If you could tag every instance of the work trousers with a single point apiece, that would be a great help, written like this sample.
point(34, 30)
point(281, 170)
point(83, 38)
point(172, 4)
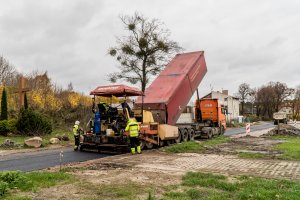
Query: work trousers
point(77, 140)
point(134, 141)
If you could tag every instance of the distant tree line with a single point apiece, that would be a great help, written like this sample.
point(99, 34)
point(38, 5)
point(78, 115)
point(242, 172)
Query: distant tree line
point(269, 98)
point(62, 106)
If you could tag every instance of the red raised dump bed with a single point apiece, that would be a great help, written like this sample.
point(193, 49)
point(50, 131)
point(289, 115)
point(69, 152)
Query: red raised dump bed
point(171, 91)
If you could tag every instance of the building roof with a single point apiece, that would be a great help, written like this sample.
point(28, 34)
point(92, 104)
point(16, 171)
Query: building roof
point(209, 95)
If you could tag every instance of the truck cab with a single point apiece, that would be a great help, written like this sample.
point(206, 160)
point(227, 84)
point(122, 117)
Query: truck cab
point(211, 112)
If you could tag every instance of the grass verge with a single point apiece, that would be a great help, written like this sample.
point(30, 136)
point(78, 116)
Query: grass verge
point(290, 148)
point(11, 181)
point(19, 139)
point(194, 185)
point(130, 190)
point(197, 185)
point(195, 146)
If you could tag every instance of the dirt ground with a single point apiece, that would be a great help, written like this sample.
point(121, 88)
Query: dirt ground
point(158, 170)
point(249, 144)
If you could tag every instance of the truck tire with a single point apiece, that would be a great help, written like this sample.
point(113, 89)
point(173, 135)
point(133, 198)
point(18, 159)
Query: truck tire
point(178, 139)
point(191, 134)
point(185, 135)
point(209, 134)
point(222, 130)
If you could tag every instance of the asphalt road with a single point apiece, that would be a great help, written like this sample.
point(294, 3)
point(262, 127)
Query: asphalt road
point(49, 158)
point(264, 125)
point(43, 159)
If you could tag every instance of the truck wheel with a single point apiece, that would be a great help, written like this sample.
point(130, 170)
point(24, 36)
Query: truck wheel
point(178, 139)
point(192, 134)
point(209, 134)
point(222, 130)
point(185, 135)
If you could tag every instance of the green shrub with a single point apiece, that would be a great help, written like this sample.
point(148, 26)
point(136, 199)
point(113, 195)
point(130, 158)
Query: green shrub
point(3, 188)
point(252, 118)
point(14, 179)
point(4, 115)
point(11, 125)
point(3, 125)
point(7, 126)
point(33, 123)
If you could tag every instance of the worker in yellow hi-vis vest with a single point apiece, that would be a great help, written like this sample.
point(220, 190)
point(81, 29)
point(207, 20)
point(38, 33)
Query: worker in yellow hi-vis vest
point(133, 128)
point(76, 132)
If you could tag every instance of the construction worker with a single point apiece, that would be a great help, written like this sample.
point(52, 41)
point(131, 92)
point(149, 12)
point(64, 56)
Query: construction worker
point(133, 128)
point(76, 132)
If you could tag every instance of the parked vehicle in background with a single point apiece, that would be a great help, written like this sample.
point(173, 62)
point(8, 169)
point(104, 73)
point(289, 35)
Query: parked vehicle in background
point(280, 117)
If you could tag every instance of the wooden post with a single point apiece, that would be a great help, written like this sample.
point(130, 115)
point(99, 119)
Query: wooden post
point(22, 91)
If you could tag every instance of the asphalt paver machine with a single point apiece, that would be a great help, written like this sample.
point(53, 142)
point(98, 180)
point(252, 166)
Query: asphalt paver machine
point(106, 131)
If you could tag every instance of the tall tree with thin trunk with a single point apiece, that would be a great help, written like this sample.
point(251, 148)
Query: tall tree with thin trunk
point(144, 51)
point(4, 115)
point(244, 92)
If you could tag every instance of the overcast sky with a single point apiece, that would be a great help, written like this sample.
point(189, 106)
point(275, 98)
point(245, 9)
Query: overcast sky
point(252, 41)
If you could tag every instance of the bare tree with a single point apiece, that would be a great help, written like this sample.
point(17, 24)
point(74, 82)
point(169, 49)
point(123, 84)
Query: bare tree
point(271, 97)
point(244, 92)
point(295, 103)
point(144, 51)
point(7, 72)
point(70, 87)
point(281, 93)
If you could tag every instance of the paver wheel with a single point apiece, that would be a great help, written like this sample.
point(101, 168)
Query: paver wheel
point(149, 145)
point(142, 144)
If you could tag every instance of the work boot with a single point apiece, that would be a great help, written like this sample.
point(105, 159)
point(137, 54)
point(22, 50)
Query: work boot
point(138, 149)
point(75, 148)
point(132, 151)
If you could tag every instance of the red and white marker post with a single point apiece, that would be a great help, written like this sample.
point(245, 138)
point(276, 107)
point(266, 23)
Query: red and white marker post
point(248, 128)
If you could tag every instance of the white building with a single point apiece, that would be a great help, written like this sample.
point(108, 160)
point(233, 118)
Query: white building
point(231, 104)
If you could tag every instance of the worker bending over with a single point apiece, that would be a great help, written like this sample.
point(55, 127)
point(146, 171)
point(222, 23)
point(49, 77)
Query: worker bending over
point(76, 132)
point(133, 128)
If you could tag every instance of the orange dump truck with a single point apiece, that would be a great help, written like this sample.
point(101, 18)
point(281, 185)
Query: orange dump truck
point(166, 116)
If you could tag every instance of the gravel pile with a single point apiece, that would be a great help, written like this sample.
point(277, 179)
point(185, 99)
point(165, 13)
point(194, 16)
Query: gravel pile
point(285, 129)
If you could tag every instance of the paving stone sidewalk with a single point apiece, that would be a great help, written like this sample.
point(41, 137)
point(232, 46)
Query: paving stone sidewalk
point(226, 164)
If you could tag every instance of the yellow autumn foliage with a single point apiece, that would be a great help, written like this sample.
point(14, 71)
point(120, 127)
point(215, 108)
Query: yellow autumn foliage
point(74, 99)
point(53, 103)
point(37, 99)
